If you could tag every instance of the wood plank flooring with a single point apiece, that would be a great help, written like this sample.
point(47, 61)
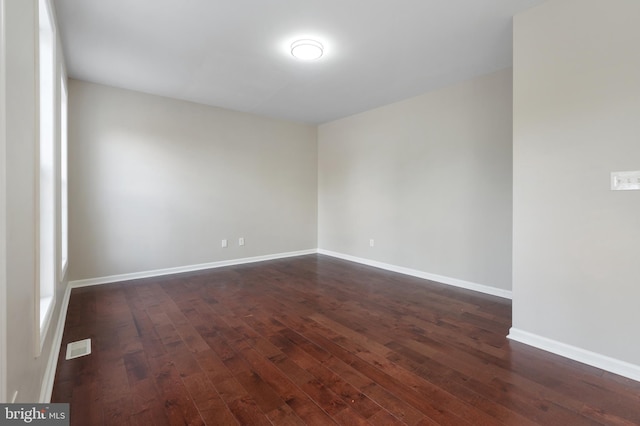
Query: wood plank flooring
point(315, 340)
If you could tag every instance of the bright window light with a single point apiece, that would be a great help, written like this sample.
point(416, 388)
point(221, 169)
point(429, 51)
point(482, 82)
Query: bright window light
point(47, 229)
point(64, 190)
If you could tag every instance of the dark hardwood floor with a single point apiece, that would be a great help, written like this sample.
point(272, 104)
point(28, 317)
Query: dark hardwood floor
point(314, 340)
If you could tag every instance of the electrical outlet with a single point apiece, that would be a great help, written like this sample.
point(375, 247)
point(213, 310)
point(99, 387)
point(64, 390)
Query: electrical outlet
point(371, 242)
point(241, 241)
point(224, 243)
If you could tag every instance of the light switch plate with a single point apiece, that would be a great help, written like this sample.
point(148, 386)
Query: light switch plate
point(625, 181)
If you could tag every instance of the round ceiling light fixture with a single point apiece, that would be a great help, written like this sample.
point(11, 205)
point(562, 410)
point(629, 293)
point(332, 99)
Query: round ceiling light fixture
point(307, 49)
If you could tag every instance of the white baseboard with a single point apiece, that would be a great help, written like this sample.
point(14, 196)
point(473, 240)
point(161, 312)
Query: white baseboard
point(52, 363)
point(584, 356)
point(189, 268)
point(506, 294)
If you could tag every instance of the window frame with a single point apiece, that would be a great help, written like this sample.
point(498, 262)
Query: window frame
point(46, 169)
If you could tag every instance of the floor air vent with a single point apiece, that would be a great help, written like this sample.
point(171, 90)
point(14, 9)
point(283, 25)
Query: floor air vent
point(79, 348)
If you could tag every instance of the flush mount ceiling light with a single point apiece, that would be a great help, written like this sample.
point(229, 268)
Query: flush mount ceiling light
point(307, 49)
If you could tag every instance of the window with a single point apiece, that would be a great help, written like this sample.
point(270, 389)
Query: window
point(46, 230)
point(64, 192)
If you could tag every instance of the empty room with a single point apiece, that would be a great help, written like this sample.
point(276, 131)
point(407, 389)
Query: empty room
point(310, 212)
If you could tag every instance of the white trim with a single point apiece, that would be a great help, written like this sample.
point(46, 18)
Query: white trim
point(3, 215)
point(190, 268)
point(52, 363)
point(506, 294)
point(584, 356)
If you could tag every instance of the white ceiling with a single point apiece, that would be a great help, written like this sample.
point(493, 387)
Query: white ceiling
point(234, 53)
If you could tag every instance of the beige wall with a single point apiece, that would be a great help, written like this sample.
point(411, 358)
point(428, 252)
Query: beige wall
point(25, 368)
point(429, 179)
point(3, 215)
point(576, 107)
point(157, 183)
